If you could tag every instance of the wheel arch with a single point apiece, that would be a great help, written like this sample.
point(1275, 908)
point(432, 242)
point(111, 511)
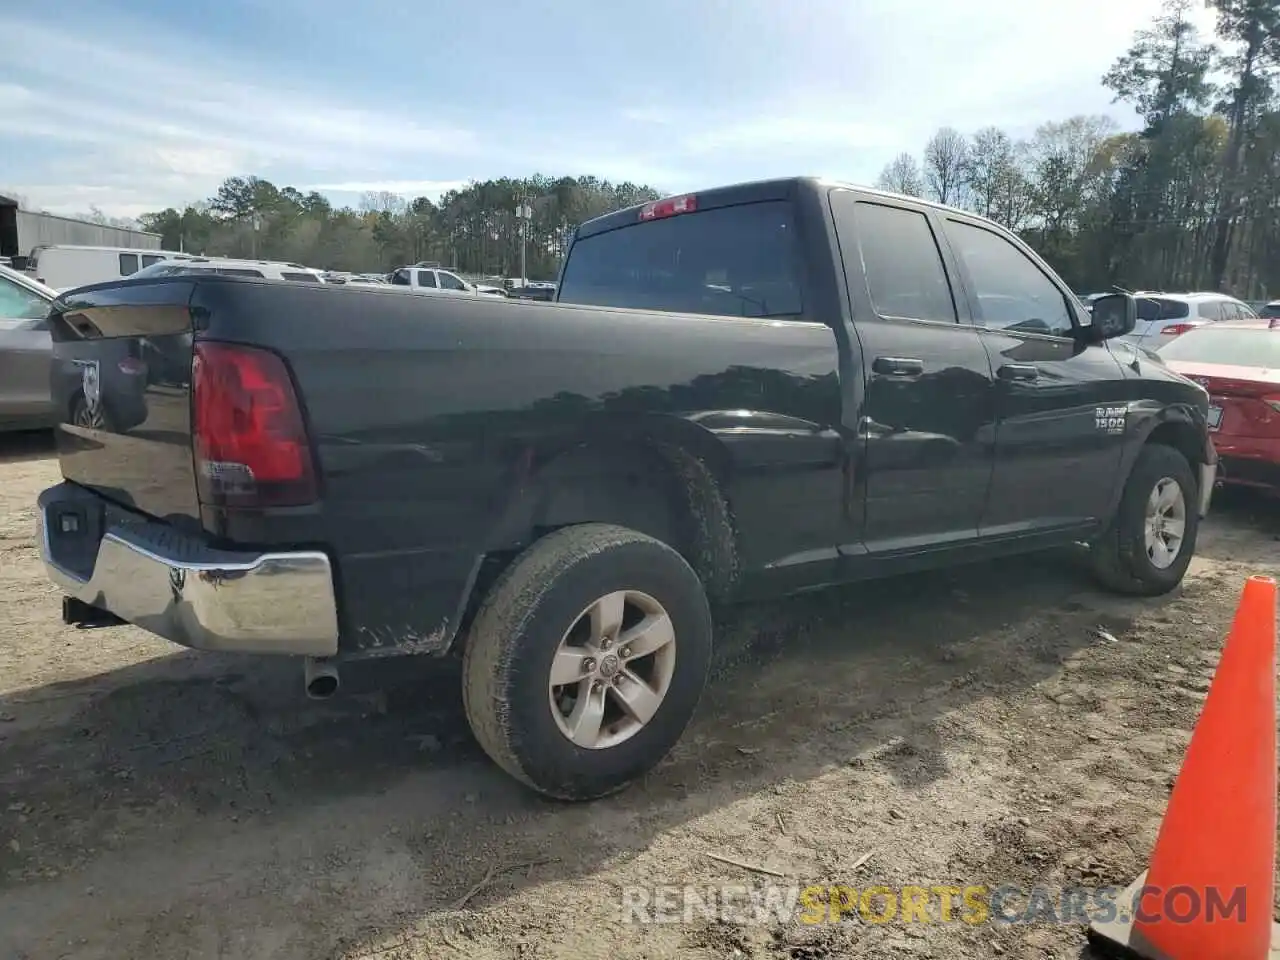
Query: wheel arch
point(662, 476)
point(1180, 426)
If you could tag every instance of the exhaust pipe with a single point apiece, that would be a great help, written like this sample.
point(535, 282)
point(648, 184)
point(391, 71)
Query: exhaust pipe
point(320, 677)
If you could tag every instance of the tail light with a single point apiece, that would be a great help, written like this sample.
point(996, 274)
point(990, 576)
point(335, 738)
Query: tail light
point(251, 447)
point(1176, 329)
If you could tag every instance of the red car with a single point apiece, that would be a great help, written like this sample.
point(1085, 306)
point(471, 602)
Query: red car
point(1238, 362)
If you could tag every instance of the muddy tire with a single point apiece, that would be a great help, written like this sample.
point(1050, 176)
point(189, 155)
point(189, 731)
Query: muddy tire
point(624, 622)
point(1152, 537)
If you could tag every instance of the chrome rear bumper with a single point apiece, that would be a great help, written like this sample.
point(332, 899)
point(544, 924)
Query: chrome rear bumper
point(179, 588)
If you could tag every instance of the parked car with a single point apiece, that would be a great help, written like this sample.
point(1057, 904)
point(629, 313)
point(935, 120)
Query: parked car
point(1270, 311)
point(227, 266)
point(65, 267)
point(1166, 315)
point(543, 290)
point(754, 390)
point(433, 280)
point(1238, 362)
point(26, 351)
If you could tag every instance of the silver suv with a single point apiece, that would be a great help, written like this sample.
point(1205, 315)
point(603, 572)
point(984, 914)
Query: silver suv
point(1162, 316)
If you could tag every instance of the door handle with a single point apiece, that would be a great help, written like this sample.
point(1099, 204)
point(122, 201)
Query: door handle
point(1018, 371)
point(898, 366)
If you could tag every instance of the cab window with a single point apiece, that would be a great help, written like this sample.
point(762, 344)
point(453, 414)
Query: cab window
point(1012, 292)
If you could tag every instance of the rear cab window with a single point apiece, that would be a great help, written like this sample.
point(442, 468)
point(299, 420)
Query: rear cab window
point(731, 261)
point(299, 276)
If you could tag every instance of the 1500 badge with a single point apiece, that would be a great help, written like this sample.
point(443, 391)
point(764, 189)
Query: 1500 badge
point(1109, 419)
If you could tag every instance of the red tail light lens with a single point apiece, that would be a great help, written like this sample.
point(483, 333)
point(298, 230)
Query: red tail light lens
point(670, 207)
point(251, 448)
point(1177, 329)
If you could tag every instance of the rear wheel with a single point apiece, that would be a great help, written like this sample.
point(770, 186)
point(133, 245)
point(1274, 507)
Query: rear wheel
point(587, 660)
point(83, 416)
point(1152, 537)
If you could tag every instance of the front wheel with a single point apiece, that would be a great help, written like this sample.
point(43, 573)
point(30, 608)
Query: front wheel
point(587, 660)
point(1152, 537)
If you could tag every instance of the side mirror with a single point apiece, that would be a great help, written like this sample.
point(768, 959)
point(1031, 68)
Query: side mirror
point(1114, 315)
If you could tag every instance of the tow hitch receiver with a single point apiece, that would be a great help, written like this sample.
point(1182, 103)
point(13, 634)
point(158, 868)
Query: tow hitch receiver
point(86, 615)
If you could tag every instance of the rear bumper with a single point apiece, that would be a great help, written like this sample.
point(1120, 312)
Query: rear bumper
point(179, 588)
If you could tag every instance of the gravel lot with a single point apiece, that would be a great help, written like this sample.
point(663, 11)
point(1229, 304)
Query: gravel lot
point(1004, 723)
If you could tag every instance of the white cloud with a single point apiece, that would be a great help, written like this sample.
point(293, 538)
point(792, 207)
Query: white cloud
point(167, 133)
point(830, 85)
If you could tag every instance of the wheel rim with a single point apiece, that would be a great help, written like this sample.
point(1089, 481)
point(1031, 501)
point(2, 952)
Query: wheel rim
point(612, 669)
point(1166, 523)
point(83, 417)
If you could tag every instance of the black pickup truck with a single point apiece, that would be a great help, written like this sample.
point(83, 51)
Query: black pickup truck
point(749, 391)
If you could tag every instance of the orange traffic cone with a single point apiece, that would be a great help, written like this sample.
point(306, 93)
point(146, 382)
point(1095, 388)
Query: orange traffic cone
point(1209, 891)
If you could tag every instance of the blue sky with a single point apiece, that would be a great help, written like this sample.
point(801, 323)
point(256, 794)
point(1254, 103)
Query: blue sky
point(133, 106)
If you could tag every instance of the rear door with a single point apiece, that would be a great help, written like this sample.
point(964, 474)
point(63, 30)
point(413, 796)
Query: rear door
point(1061, 404)
point(929, 410)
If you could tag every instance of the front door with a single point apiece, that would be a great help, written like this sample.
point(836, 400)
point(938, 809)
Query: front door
point(929, 407)
point(1061, 403)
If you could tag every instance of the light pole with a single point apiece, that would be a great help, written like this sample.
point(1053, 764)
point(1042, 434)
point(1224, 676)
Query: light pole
point(524, 213)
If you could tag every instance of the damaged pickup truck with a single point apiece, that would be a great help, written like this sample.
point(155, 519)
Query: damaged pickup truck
point(746, 392)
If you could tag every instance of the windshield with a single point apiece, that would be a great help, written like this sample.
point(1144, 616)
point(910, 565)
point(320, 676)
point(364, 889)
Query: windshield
point(1234, 346)
point(731, 261)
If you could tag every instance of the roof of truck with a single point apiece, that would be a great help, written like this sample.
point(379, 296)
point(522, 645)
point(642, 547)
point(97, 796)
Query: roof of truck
point(754, 191)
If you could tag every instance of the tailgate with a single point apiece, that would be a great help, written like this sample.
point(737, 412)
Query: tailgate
point(121, 385)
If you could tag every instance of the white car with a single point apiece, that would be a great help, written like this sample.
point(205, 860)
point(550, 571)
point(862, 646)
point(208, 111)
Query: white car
point(264, 269)
point(66, 266)
point(1162, 316)
point(434, 280)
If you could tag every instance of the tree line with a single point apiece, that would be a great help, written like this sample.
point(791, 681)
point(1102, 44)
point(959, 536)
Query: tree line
point(1190, 201)
point(474, 230)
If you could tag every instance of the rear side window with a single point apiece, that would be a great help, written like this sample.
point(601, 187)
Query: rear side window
point(737, 261)
point(128, 264)
point(1235, 346)
point(148, 261)
point(1158, 308)
point(238, 272)
point(300, 277)
point(900, 256)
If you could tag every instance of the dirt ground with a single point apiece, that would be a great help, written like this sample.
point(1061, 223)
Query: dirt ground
point(1003, 723)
